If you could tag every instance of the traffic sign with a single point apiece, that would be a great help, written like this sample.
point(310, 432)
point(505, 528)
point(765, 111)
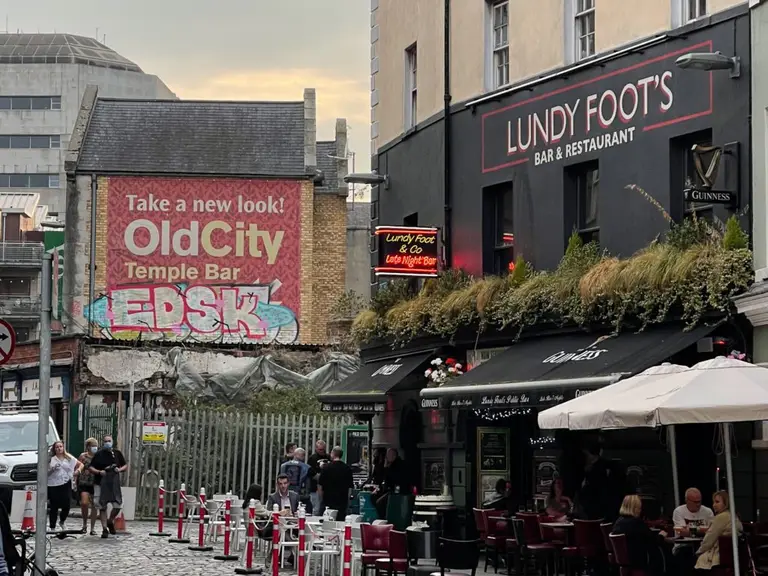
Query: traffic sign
point(7, 341)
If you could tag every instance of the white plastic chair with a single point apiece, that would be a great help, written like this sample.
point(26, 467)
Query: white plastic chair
point(357, 547)
point(215, 510)
point(286, 539)
point(192, 510)
point(323, 545)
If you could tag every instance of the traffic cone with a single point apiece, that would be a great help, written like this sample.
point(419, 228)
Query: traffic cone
point(28, 523)
point(120, 526)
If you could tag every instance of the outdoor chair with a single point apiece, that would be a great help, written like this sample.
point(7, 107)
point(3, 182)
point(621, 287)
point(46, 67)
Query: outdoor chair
point(375, 541)
point(397, 563)
point(457, 555)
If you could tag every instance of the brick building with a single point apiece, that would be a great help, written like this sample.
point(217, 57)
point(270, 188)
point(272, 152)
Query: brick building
point(203, 221)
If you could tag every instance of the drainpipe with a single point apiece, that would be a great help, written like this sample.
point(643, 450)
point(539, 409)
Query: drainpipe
point(447, 236)
point(92, 283)
point(4, 215)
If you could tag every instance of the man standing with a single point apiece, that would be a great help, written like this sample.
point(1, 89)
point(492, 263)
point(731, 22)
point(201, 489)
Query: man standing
point(335, 484)
point(106, 467)
point(316, 463)
point(297, 471)
point(290, 448)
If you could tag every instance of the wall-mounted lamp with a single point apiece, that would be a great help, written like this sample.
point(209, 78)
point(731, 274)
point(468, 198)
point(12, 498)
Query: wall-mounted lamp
point(708, 61)
point(373, 178)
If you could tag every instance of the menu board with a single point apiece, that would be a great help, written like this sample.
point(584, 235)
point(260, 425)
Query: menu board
point(493, 449)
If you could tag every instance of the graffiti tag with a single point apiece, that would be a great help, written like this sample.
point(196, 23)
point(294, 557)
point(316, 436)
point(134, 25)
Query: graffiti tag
point(241, 313)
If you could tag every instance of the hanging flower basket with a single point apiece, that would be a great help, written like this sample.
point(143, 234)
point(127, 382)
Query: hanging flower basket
point(441, 371)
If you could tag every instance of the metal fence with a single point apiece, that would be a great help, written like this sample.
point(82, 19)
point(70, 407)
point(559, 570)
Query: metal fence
point(219, 451)
point(21, 252)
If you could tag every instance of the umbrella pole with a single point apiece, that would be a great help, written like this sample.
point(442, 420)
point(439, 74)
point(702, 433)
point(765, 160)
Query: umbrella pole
point(729, 476)
point(672, 443)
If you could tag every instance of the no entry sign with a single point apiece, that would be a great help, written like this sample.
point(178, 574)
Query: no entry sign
point(7, 341)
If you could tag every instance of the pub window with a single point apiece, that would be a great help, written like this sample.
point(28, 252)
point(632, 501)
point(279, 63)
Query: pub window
point(586, 188)
point(503, 225)
point(683, 174)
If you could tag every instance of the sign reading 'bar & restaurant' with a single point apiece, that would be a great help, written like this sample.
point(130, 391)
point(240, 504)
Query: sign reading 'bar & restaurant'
point(614, 108)
point(407, 251)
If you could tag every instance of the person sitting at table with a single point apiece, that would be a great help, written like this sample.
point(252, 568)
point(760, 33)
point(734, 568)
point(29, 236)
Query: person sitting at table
point(709, 551)
point(497, 500)
point(643, 545)
point(692, 516)
point(558, 504)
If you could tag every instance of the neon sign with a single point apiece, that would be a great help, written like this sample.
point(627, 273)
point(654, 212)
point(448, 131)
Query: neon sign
point(407, 251)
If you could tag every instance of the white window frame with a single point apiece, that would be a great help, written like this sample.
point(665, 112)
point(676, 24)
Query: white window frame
point(411, 86)
point(578, 17)
point(694, 9)
point(498, 48)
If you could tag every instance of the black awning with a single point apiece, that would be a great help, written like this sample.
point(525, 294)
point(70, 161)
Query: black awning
point(546, 371)
point(365, 391)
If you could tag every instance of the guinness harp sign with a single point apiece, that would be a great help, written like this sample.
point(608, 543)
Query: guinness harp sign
point(717, 172)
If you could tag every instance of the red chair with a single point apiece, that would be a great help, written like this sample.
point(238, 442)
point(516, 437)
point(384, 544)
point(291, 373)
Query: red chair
point(481, 524)
point(588, 538)
point(621, 553)
point(726, 568)
point(397, 563)
point(527, 551)
point(606, 528)
point(375, 543)
point(495, 542)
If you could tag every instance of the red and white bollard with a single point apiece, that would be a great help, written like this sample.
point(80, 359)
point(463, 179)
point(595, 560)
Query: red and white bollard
point(302, 540)
point(248, 568)
point(346, 563)
point(201, 546)
point(180, 524)
point(275, 540)
point(160, 511)
point(227, 530)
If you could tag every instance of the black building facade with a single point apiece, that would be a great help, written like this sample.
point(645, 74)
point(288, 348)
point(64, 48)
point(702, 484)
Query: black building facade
point(559, 153)
point(604, 148)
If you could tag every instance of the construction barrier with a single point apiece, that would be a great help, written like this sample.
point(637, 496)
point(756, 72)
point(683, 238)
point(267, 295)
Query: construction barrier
point(276, 540)
point(227, 530)
point(248, 567)
point(182, 492)
point(201, 546)
point(160, 511)
point(302, 540)
point(28, 522)
point(347, 553)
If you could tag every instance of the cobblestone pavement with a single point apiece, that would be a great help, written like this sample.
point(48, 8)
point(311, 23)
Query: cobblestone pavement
point(135, 554)
point(139, 554)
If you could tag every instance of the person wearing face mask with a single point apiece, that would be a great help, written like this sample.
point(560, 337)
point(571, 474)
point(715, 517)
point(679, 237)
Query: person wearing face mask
point(85, 485)
point(106, 466)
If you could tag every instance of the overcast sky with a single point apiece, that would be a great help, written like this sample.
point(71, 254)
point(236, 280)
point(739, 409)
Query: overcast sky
point(233, 49)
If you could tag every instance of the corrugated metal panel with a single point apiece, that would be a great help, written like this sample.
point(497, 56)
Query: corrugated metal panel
point(20, 203)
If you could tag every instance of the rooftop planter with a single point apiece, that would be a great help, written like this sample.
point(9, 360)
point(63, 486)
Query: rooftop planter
point(693, 272)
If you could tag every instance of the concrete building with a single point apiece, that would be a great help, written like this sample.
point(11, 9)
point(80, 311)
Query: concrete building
point(204, 221)
point(42, 81)
point(359, 248)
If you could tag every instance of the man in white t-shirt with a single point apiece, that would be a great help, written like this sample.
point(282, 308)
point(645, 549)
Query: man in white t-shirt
point(692, 516)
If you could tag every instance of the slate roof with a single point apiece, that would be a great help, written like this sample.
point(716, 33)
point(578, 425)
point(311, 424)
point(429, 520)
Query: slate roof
point(60, 49)
point(328, 166)
point(195, 137)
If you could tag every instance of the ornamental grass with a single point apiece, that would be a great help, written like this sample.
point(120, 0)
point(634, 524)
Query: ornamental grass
point(695, 270)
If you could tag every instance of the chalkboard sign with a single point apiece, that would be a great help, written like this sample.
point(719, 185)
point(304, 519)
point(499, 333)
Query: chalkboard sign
point(493, 449)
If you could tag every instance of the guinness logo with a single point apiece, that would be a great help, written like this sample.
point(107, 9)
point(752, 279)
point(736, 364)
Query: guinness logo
point(706, 162)
point(587, 353)
point(430, 403)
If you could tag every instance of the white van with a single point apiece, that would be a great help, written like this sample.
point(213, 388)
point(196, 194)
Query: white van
point(18, 448)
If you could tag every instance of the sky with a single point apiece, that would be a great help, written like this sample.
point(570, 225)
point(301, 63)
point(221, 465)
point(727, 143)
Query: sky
point(233, 49)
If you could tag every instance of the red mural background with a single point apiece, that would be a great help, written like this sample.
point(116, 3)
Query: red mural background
point(204, 231)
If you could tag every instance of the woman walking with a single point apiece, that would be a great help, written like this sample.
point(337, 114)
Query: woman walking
point(61, 470)
point(85, 485)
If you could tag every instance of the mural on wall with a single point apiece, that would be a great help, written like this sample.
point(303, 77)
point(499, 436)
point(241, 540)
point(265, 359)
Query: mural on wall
point(210, 260)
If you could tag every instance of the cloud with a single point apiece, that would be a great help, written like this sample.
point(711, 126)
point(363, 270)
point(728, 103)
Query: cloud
point(337, 96)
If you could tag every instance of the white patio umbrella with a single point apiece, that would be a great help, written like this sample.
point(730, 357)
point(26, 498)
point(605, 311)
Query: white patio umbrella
point(593, 405)
point(721, 391)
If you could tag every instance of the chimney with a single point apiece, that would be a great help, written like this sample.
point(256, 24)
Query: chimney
point(310, 131)
point(342, 160)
